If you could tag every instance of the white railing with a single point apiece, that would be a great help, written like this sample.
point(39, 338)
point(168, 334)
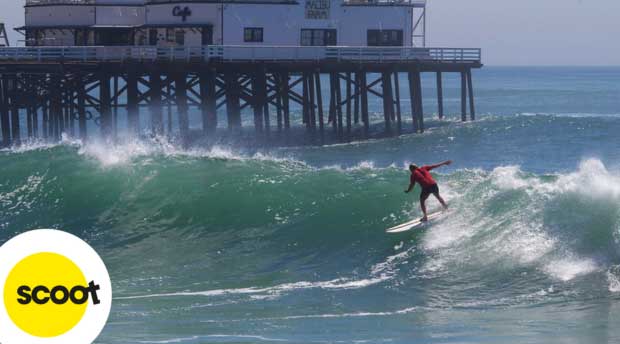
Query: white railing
point(414, 3)
point(59, 2)
point(240, 53)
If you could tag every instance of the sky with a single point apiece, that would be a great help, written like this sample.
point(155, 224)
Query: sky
point(517, 32)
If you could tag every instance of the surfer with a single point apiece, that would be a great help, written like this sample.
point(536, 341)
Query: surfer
point(422, 176)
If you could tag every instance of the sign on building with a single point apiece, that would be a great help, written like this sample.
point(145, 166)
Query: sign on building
point(318, 9)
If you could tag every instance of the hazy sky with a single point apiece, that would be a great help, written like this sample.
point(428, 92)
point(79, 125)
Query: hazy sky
point(516, 32)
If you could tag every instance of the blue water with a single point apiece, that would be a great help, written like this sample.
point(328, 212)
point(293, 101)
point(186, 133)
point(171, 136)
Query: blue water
point(271, 245)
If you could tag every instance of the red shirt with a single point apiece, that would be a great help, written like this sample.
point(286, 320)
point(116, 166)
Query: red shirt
point(423, 177)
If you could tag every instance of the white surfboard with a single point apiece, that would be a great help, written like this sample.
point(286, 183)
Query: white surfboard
point(407, 226)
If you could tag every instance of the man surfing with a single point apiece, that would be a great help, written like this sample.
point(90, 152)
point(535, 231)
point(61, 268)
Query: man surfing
point(422, 176)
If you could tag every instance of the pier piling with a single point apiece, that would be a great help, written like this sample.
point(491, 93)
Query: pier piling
point(66, 98)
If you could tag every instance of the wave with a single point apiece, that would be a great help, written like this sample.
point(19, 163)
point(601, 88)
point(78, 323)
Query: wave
point(226, 213)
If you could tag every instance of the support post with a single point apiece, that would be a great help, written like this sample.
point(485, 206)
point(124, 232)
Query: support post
point(278, 81)
point(133, 119)
point(388, 102)
point(106, 99)
point(233, 106)
point(4, 113)
point(319, 101)
point(463, 96)
point(209, 101)
point(55, 109)
point(81, 108)
point(155, 104)
point(356, 100)
point(364, 100)
point(439, 95)
point(258, 100)
point(420, 106)
point(29, 120)
point(311, 102)
point(72, 111)
point(414, 103)
point(14, 106)
point(180, 84)
point(332, 102)
point(470, 88)
point(35, 120)
point(45, 120)
point(348, 104)
point(265, 95)
point(398, 109)
point(286, 100)
point(339, 107)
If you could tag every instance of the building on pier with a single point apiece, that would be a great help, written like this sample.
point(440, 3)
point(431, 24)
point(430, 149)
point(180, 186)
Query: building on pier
point(189, 68)
point(179, 23)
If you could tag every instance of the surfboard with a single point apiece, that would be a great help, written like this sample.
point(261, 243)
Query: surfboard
point(407, 226)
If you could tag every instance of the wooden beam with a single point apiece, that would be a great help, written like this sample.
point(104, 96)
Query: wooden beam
point(81, 108)
point(397, 103)
point(419, 98)
point(439, 95)
point(414, 103)
point(233, 106)
point(285, 100)
point(348, 103)
point(182, 108)
point(105, 99)
point(463, 96)
point(155, 103)
point(4, 113)
point(364, 103)
point(319, 101)
point(470, 88)
point(388, 102)
point(133, 119)
point(257, 100)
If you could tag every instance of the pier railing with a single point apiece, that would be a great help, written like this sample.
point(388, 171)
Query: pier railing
point(240, 53)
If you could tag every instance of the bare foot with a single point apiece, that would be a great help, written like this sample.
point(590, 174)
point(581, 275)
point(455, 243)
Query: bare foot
point(424, 219)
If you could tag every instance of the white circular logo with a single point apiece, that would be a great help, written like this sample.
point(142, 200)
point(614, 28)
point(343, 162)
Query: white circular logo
point(54, 288)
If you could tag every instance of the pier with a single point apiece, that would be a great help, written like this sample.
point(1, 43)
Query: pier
point(46, 92)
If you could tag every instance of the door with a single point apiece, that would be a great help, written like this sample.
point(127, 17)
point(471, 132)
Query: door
point(153, 36)
point(207, 35)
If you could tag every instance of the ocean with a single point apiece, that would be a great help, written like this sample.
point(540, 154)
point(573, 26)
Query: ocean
point(234, 244)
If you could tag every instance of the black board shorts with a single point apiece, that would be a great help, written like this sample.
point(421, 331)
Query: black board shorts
point(429, 190)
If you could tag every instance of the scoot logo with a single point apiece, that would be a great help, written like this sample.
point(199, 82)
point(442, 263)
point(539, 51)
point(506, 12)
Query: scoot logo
point(54, 288)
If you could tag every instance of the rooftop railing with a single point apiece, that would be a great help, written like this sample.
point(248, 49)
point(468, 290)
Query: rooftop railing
point(414, 3)
point(59, 2)
point(240, 54)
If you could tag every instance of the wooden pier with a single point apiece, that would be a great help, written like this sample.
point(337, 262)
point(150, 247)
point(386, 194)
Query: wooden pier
point(46, 92)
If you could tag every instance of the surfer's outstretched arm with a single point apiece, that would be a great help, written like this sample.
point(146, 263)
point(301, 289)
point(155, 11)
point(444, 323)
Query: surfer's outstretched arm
point(445, 163)
point(411, 185)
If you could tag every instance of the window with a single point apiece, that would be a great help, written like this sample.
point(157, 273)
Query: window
point(81, 37)
point(114, 37)
point(253, 34)
point(179, 37)
point(170, 35)
point(318, 37)
point(385, 38)
point(153, 36)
